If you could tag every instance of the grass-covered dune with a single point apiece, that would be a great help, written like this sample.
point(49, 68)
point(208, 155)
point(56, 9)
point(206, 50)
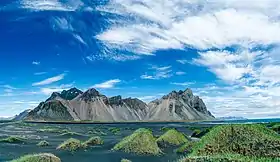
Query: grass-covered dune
point(141, 141)
point(71, 144)
point(236, 143)
point(12, 139)
point(172, 137)
point(43, 157)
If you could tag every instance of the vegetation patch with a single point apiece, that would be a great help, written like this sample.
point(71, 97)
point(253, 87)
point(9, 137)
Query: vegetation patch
point(164, 129)
point(125, 160)
point(141, 141)
point(200, 133)
point(43, 157)
point(43, 143)
point(12, 139)
point(53, 130)
point(93, 141)
point(172, 137)
point(70, 134)
point(244, 139)
point(71, 144)
point(97, 132)
point(186, 148)
point(115, 130)
point(227, 158)
point(276, 128)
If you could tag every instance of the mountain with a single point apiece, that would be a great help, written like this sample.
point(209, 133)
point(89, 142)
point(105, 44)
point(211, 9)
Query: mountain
point(181, 105)
point(74, 104)
point(21, 115)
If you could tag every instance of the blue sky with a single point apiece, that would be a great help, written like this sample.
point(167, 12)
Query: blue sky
point(227, 52)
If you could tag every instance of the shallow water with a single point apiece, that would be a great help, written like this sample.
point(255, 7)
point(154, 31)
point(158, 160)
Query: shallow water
point(99, 153)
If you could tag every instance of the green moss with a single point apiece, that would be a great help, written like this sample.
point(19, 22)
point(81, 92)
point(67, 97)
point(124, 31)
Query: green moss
point(53, 130)
point(94, 141)
point(43, 157)
point(244, 139)
point(12, 139)
point(71, 144)
point(141, 141)
point(186, 148)
point(70, 134)
point(43, 143)
point(199, 133)
point(164, 129)
point(125, 160)
point(115, 130)
point(97, 132)
point(227, 158)
point(172, 137)
point(276, 128)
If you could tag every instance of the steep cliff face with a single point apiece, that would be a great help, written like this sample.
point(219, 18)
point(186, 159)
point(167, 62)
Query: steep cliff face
point(52, 110)
point(92, 105)
point(181, 105)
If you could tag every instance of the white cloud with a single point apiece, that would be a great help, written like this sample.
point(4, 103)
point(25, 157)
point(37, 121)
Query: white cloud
point(50, 90)
point(40, 73)
point(183, 84)
point(53, 5)
point(180, 73)
point(36, 63)
point(158, 73)
point(164, 24)
point(49, 80)
point(9, 87)
point(107, 84)
point(183, 61)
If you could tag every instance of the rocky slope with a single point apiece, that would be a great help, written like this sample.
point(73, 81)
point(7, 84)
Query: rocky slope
point(181, 105)
point(74, 104)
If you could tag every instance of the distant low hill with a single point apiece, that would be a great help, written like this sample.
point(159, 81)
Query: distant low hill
point(73, 104)
point(231, 118)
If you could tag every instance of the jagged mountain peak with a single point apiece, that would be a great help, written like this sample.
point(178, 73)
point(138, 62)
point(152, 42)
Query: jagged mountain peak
point(90, 94)
point(70, 94)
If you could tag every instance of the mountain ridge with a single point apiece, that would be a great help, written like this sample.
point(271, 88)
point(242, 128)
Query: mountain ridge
point(73, 104)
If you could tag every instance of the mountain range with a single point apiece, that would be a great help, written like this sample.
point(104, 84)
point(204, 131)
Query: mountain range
point(91, 105)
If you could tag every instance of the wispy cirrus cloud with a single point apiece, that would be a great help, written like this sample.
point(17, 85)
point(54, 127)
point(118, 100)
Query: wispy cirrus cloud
point(50, 90)
point(36, 63)
point(157, 72)
point(49, 80)
point(107, 84)
point(40, 73)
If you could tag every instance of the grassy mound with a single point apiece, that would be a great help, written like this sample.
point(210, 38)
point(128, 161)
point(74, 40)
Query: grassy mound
point(186, 148)
point(172, 137)
point(44, 157)
point(70, 134)
point(97, 132)
point(43, 143)
point(276, 128)
point(71, 145)
point(141, 141)
point(94, 141)
point(125, 160)
point(115, 130)
point(12, 139)
point(200, 133)
point(248, 140)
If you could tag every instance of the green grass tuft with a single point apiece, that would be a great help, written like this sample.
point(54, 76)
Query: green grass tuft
point(72, 145)
point(186, 148)
point(125, 160)
point(43, 143)
point(70, 134)
point(115, 130)
point(94, 141)
point(141, 141)
point(200, 133)
point(12, 139)
point(172, 137)
point(43, 157)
